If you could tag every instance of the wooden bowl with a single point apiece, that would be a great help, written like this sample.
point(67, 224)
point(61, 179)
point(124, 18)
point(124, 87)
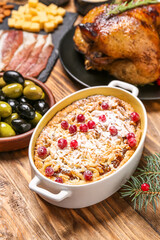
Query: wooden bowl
point(22, 140)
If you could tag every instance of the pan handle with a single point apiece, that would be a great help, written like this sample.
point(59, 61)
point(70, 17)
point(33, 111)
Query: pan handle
point(127, 86)
point(47, 194)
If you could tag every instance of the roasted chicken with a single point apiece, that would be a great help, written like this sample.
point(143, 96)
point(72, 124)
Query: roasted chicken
point(126, 45)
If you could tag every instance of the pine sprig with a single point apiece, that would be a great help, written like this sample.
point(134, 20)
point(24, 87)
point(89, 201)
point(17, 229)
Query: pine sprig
point(123, 7)
point(150, 174)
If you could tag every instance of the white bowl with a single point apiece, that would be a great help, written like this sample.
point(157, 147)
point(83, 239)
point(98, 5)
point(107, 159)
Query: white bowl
point(78, 196)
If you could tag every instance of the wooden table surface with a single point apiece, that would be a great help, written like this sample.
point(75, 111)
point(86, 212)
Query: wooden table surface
point(24, 215)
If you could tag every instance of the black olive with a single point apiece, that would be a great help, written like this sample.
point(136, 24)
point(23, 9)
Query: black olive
point(25, 110)
point(13, 103)
point(13, 77)
point(2, 97)
point(41, 106)
point(23, 99)
point(20, 125)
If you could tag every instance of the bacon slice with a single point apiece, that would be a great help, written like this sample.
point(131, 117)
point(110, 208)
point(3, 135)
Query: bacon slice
point(22, 53)
point(42, 59)
point(9, 43)
point(33, 57)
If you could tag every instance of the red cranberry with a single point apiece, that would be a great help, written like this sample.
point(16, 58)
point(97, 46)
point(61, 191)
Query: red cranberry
point(104, 105)
point(62, 143)
point(132, 142)
point(158, 82)
point(145, 187)
point(42, 152)
point(49, 171)
point(88, 175)
point(74, 144)
point(102, 118)
point(83, 127)
point(64, 125)
point(130, 135)
point(113, 130)
point(59, 180)
point(135, 117)
point(91, 124)
point(80, 118)
point(73, 129)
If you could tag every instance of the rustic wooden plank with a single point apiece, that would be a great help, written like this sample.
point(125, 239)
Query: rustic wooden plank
point(113, 218)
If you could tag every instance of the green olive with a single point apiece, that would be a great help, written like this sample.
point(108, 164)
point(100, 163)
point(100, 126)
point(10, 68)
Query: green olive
point(11, 117)
point(6, 130)
point(43, 96)
point(2, 82)
point(28, 82)
point(33, 92)
point(5, 109)
point(13, 90)
point(37, 118)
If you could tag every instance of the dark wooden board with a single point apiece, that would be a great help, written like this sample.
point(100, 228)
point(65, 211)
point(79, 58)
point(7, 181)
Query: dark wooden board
point(69, 19)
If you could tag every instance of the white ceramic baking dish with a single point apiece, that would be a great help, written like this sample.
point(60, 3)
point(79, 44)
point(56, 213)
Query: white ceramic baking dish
point(78, 196)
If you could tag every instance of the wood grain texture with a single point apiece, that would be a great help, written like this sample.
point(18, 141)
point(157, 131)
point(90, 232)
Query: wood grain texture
point(25, 216)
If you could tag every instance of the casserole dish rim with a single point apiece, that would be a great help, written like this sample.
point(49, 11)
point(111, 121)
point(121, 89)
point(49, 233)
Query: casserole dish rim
point(140, 145)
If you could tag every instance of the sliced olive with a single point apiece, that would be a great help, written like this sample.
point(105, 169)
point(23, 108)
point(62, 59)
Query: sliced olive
point(11, 117)
point(2, 97)
point(13, 90)
point(6, 130)
point(41, 106)
point(37, 118)
point(25, 110)
point(13, 103)
point(20, 125)
point(5, 109)
point(28, 82)
point(13, 77)
point(2, 82)
point(33, 92)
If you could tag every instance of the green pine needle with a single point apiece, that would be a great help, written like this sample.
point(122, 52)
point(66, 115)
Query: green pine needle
point(150, 174)
point(123, 7)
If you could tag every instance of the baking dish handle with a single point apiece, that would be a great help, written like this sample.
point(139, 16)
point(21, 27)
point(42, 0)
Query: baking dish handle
point(127, 86)
point(33, 185)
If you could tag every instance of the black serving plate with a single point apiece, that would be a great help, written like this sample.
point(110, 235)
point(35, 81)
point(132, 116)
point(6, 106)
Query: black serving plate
point(73, 63)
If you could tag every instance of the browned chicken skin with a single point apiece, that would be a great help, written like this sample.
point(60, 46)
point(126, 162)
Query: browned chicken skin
point(126, 45)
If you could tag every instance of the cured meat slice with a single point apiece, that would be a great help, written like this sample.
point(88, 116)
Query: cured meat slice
point(42, 59)
point(9, 43)
point(1, 32)
point(22, 53)
point(33, 57)
point(2, 41)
